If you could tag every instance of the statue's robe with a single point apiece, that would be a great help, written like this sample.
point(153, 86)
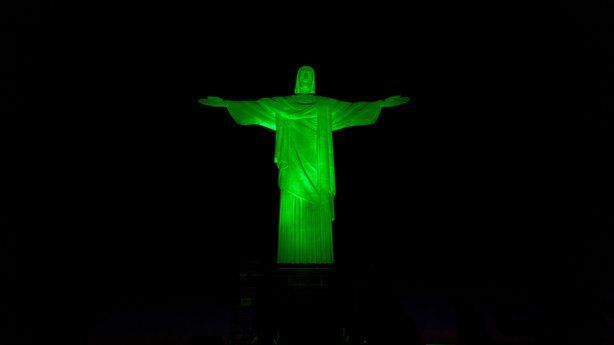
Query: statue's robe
point(304, 156)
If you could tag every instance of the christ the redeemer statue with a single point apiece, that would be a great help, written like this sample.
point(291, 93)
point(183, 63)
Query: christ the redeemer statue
point(304, 124)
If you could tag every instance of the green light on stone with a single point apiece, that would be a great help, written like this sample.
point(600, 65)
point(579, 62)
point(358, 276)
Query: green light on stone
point(304, 124)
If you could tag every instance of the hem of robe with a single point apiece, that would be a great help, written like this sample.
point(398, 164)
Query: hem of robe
point(305, 231)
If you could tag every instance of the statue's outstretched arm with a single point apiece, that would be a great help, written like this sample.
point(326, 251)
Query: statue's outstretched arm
point(213, 101)
point(394, 101)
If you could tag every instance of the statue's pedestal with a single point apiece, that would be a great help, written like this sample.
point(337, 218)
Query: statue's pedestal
point(308, 304)
point(290, 305)
point(310, 279)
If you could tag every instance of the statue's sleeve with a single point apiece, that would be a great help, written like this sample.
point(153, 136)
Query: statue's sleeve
point(346, 114)
point(261, 112)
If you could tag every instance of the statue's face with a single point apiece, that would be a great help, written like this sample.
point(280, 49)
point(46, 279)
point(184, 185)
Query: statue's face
point(305, 81)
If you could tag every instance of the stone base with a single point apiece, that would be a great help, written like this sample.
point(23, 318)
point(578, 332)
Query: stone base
point(305, 277)
point(308, 304)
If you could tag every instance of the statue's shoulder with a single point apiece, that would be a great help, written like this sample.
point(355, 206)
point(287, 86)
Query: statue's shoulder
point(323, 99)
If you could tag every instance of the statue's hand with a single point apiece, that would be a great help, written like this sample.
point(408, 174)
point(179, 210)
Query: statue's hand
point(213, 101)
point(394, 101)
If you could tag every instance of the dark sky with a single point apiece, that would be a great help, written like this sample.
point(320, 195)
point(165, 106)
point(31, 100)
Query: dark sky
point(494, 173)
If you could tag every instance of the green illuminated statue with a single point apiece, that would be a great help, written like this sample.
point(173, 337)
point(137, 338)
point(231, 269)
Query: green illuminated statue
point(304, 124)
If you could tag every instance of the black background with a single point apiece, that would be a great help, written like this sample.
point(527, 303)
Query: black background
point(495, 175)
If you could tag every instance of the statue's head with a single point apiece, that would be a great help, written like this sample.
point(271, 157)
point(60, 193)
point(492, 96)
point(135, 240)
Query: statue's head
point(305, 81)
